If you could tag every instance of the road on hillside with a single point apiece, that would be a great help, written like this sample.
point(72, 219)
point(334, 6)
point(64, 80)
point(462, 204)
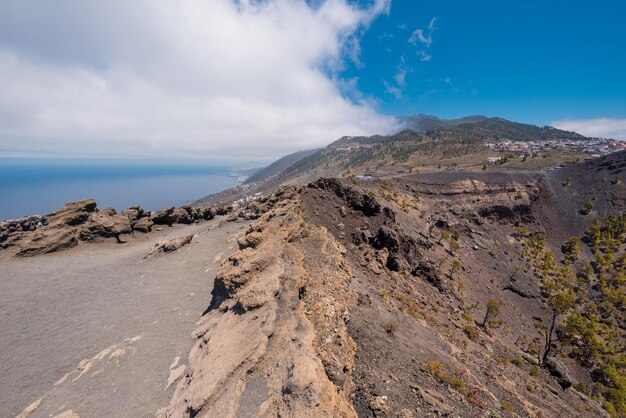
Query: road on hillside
point(98, 329)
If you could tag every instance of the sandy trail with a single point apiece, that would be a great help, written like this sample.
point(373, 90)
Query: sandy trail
point(97, 329)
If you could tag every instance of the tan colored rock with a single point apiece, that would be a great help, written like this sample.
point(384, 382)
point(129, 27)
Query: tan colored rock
point(48, 242)
point(251, 240)
point(105, 224)
point(171, 245)
point(67, 414)
point(143, 225)
point(256, 352)
point(176, 375)
point(378, 405)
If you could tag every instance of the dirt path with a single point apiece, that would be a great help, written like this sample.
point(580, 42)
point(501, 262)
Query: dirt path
point(98, 329)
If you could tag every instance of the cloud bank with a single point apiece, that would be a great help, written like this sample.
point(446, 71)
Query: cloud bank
point(601, 127)
point(219, 78)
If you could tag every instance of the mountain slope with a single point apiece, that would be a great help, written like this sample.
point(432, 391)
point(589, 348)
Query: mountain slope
point(424, 123)
point(409, 148)
point(497, 129)
point(453, 144)
point(279, 165)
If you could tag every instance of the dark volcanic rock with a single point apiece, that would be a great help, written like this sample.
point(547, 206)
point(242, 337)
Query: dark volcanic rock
point(361, 236)
point(223, 210)
point(354, 198)
point(165, 217)
point(207, 213)
point(506, 213)
point(184, 215)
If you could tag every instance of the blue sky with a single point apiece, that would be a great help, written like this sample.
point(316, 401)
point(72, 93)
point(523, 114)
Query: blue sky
point(258, 79)
point(532, 61)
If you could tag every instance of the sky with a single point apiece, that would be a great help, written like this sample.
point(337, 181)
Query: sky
point(255, 80)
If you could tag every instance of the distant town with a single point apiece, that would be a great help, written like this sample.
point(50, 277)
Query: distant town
point(594, 146)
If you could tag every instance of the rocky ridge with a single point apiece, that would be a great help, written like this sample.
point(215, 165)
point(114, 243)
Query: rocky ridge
point(294, 355)
point(355, 299)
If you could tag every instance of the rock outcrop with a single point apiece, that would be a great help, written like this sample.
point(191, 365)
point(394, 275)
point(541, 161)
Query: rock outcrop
point(83, 221)
point(269, 304)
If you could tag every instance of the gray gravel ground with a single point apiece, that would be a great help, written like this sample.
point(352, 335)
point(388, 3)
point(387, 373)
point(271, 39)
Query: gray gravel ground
point(97, 329)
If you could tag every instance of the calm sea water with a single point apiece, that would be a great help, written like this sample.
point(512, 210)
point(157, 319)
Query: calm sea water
point(39, 186)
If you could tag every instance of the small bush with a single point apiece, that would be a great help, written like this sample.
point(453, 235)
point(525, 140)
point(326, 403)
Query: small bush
point(582, 389)
point(587, 208)
point(508, 407)
point(471, 332)
point(518, 362)
point(391, 327)
point(501, 360)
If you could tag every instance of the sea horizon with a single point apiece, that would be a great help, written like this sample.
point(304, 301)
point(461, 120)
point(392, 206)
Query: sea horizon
point(37, 186)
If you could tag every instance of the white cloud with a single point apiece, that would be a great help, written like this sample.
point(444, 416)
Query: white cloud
point(215, 78)
point(395, 91)
point(424, 56)
point(424, 36)
point(600, 127)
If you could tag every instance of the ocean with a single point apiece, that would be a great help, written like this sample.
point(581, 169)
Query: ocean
point(36, 186)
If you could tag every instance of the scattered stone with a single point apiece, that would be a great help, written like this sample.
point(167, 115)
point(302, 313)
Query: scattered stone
point(379, 406)
point(436, 400)
point(172, 245)
point(405, 413)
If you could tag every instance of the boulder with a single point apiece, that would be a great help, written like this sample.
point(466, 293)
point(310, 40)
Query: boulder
point(560, 372)
point(378, 406)
point(143, 225)
point(134, 213)
point(4, 232)
point(207, 213)
point(361, 236)
point(73, 213)
point(165, 217)
point(48, 243)
point(105, 224)
point(223, 210)
point(184, 215)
